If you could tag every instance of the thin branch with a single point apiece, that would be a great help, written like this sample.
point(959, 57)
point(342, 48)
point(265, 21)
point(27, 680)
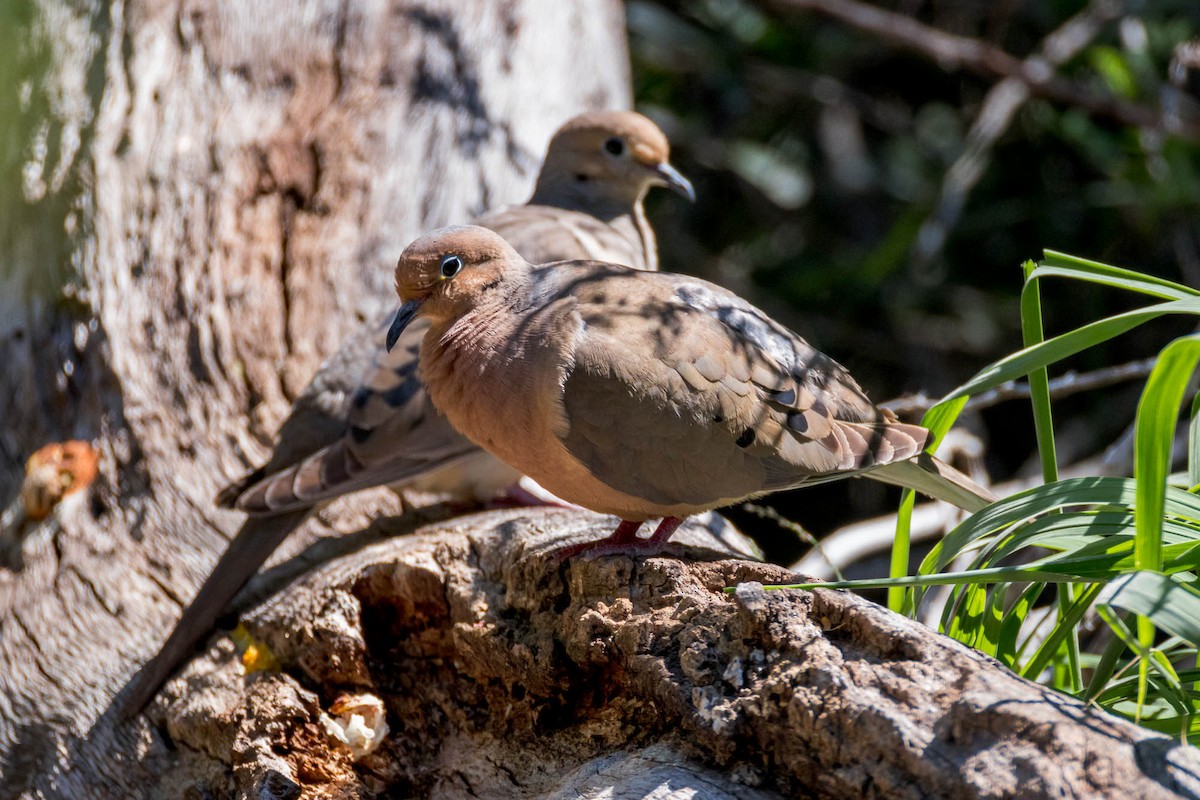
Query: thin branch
point(996, 114)
point(860, 540)
point(951, 51)
point(775, 83)
point(815, 549)
point(1064, 386)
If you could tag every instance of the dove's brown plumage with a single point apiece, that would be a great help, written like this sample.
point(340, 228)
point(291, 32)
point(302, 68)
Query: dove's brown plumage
point(639, 394)
point(587, 204)
point(365, 419)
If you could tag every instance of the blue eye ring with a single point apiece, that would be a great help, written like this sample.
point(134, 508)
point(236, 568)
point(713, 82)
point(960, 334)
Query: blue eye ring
point(450, 266)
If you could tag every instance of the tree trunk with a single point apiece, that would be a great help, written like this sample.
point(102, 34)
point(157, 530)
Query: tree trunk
point(201, 198)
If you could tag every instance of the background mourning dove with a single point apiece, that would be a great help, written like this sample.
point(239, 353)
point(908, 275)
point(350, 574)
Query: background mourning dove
point(365, 419)
point(642, 395)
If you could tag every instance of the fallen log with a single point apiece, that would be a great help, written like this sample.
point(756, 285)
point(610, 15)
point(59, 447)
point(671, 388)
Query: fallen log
point(504, 672)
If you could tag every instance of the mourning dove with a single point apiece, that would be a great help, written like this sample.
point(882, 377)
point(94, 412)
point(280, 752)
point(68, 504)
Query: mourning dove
point(365, 419)
point(587, 203)
point(638, 394)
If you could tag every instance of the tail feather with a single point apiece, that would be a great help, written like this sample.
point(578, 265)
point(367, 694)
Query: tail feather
point(321, 476)
point(249, 549)
point(335, 471)
point(228, 497)
point(933, 477)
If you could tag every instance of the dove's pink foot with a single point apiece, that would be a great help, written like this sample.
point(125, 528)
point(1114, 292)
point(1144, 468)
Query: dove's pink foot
point(624, 540)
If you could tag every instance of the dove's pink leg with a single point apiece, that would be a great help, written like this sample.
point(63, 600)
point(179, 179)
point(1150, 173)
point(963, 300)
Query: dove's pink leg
point(664, 530)
point(625, 534)
point(625, 540)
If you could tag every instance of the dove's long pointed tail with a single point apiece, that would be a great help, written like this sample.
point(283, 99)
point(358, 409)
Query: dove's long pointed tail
point(933, 477)
point(249, 549)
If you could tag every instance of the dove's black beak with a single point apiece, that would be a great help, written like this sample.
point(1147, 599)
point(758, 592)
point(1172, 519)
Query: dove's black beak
point(404, 316)
point(675, 181)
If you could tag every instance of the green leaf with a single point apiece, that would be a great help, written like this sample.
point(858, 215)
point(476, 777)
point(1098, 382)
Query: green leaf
point(1039, 379)
point(938, 420)
point(1194, 445)
point(1025, 361)
point(1068, 622)
point(899, 599)
point(1171, 606)
point(1157, 414)
point(1062, 265)
point(1110, 63)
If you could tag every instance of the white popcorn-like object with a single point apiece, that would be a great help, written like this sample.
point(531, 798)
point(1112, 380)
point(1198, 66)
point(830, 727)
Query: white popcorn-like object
point(358, 721)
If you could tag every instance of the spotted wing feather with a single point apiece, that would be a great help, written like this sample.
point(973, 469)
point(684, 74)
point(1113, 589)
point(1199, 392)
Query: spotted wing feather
point(723, 403)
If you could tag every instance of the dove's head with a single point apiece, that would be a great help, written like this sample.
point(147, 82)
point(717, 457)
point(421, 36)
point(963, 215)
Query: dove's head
point(608, 157)
point(445, 272)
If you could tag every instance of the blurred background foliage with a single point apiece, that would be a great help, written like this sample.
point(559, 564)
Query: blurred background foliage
point(834, 162)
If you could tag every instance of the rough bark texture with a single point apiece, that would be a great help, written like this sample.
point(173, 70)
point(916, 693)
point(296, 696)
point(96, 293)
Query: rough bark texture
point(205, 197)
point(506, 673)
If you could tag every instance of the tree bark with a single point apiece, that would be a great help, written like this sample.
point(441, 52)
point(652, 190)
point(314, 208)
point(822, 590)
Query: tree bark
point(505, 673)
point(201, 199)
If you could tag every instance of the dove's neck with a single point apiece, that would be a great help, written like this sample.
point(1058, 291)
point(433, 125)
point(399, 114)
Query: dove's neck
point(645, 235)
point(499, 366)
point(606, 201)
point(479, 339)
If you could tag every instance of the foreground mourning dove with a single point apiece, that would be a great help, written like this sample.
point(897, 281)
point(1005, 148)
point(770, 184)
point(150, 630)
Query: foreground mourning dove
point(365, 419)
point(639, 394)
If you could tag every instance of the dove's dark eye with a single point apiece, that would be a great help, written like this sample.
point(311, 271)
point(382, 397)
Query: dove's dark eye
point(450, 266)
point(615, 146)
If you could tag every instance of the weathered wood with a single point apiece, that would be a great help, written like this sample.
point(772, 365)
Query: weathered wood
point(209, 195)
point(507, 673)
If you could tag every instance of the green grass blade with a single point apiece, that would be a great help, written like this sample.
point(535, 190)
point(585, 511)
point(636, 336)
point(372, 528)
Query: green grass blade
point(1043, 421)
point(1039, 380)
point(1102, 492)
point(1170, 605)
point(1139, 285)
point(1194, 445)
point(963, 578)
point(1068, 624)
point(1118, 545)
point(941, 418)
point(1009, 648)
point(1023, 362)
point(1157, 414)
point(1103, 671)
point(900, 599)
point(1027, 504)
point(938, 420)
point(1068, 266)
